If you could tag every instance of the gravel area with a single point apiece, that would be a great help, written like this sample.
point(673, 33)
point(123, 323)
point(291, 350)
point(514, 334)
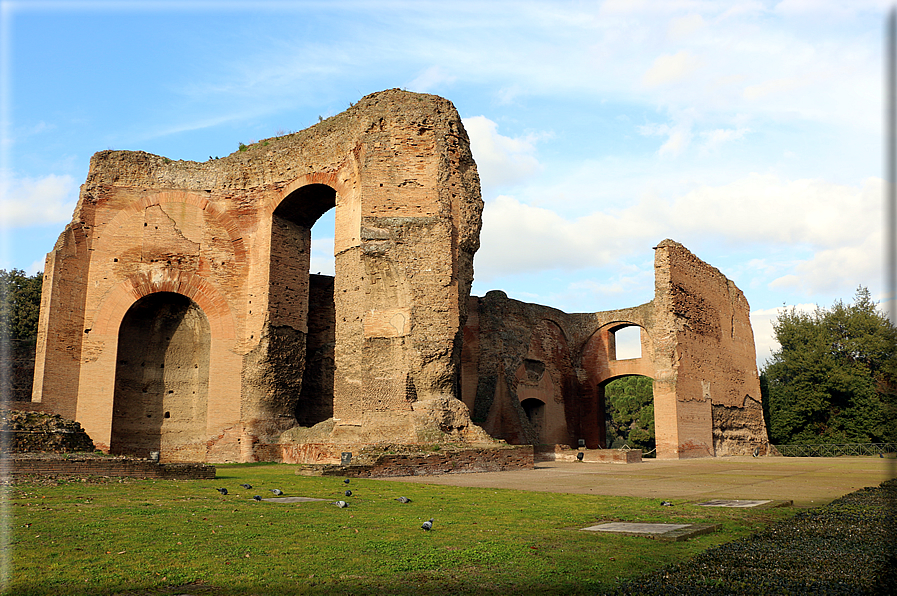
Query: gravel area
point(845, 547)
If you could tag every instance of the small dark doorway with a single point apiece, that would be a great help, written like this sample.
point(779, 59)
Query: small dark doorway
point(161, 377)
point(535, 413)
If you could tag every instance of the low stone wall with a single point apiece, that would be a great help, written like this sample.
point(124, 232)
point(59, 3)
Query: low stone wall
point(460, 461)
point(17, 466)
point(33, 431)
point(612, 456)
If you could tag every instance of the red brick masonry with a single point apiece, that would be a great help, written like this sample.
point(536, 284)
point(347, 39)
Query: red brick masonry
point(434, 464)
point(19, 465)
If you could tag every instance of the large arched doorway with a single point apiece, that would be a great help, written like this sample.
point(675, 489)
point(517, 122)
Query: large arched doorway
point(300, 301)
point(629, 412)
point(162, 378)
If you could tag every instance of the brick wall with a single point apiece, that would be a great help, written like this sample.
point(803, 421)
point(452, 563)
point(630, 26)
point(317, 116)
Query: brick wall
point(435, 464)
point(116, 467)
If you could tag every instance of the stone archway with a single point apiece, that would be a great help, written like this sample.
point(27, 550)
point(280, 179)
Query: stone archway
point(161, 391)
point(629, 411)
point(302, 304)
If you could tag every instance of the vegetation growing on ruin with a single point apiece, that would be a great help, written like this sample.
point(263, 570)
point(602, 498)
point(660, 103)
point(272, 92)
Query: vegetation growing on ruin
point(834, 379)
point(128, 536)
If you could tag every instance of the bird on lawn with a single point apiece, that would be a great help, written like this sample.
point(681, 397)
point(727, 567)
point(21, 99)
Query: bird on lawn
point(346, 481)
point(666, 504)
point(428, 525)
point(256, 498)
point(348, 493)
point(223, 491)
point(403, 500)
point(246, 486)
point(341, 504)
point(276, 491)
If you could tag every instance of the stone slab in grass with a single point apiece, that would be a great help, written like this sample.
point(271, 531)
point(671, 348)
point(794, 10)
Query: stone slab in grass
point(671, 532)
point(743, 503)
point(291, 499)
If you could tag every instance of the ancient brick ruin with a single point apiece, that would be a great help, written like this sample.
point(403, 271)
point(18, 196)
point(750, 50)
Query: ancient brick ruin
point(179, 315)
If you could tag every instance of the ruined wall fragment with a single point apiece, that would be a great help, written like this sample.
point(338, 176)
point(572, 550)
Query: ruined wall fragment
point(232, 235)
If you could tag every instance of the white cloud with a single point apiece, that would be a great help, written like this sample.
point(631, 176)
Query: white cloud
point(37, 201)
point(500, 160)
point(35, 267)
point(828, 270)
point(669, 69)
point(683, 27)
point(679, 135)
point(765, 208)
point(431, 79)
point(715, 138)
point(809, 235)
point(322, 260)
point(764, 336)
point(517, 238)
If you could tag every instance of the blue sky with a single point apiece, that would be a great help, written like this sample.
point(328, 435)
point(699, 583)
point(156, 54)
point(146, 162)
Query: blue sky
point(748, 131)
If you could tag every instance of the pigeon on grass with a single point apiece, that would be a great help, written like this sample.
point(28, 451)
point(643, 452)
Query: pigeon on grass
point(348, 493)
point(403, 500)
point(276, 491)
point(223, 491)
point(346, 481)
point(246, 486)
point(341, 504)
point(256, 498)
point(427, 525)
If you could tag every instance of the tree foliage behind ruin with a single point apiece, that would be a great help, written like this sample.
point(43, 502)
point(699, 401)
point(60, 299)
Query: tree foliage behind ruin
point(834, 379)
point(630, 412)
point(19, 304)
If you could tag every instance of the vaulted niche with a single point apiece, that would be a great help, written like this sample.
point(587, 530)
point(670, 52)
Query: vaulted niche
point(161, 377)
point(535, 413)
point(302, 308)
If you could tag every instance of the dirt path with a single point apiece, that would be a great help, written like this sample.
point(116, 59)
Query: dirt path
point(807, 481)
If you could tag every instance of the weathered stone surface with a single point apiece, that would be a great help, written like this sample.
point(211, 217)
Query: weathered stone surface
point(178, 313)
point(231, 237)
point(37, 432)
point(533, 374)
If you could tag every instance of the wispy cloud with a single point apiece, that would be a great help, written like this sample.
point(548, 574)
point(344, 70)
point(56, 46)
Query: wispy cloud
point(432, 79)
point(501, 160)
point(36, 201)
point(671, 68)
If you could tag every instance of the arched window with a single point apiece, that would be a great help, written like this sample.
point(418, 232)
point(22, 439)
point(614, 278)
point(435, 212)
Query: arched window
point(627, 342)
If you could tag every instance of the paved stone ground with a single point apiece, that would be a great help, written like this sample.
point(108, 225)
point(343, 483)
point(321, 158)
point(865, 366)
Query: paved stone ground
point(807, 481)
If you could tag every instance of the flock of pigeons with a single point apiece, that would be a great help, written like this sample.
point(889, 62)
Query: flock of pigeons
point(427, 525)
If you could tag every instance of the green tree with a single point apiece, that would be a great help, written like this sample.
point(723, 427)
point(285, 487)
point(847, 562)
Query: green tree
point(834, 379)
point(629, 402)
point(19, 304)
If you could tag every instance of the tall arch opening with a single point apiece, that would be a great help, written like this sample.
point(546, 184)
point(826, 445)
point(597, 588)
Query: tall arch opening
point(303, 315)
point(162, 379)
point(629, 412)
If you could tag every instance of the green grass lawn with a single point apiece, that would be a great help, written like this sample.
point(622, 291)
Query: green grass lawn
point(177, 537)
